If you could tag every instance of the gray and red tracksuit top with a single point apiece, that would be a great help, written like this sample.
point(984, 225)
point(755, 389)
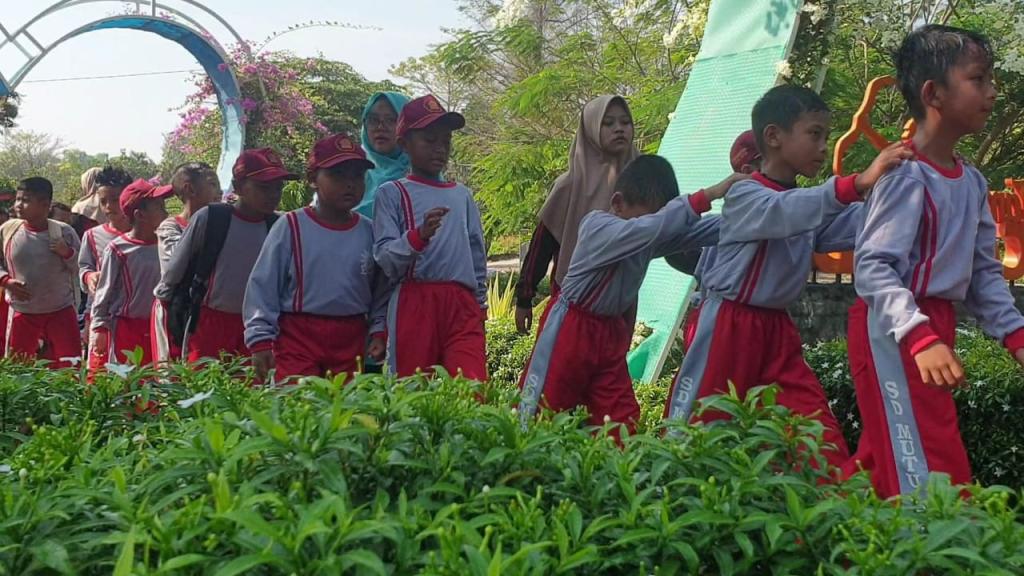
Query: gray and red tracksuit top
point(768, 236)
point(612, 254)
point(27, 257)
point(168, 234)
point(929, 233)
point(234, 264)
point(310, 267)
point(129, 271)
point(456, 253)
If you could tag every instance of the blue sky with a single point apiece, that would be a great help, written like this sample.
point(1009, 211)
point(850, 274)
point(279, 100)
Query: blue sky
point(110, 114)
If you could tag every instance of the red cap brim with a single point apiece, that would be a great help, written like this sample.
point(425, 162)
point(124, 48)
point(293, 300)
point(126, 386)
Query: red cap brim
point(271, 174)
point(164, 191)
point(453, 120)
point(341, 159)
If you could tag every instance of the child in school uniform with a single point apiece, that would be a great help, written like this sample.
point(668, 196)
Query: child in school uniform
point(258, 181)
point(928, 241)
point(580, 355)
point(768, 234)
point(429, 240)
point(109, 182)
point(196, 184)
point(38, 273)
point(129, 271)
point(314, 295)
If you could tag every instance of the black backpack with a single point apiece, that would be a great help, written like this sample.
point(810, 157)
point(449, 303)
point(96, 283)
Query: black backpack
point(188, 295)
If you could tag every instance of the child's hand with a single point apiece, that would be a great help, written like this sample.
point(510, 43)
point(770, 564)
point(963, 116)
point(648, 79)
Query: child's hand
point(92, 280)
point(377, 348)
point(524, 320)
point(263, 362)
point(18, 290)
point(1019, 356)
point(889, 158)
point(61, 248)
point(939, 366)
point(431, 222)
point(718, 190)
point(99, 344)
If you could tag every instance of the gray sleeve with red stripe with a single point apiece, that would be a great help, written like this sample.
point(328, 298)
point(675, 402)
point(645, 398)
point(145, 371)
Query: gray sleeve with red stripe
point(109, 291)
point(267, 285)
point(840, 234)
point(168, 235)
point(382, 288)
point(606, 238)
point(700, 234)
point(754, 212)
point(392, 246)
point(882, 258)
point(478, 248)
point(988, 296)
point(87, 261)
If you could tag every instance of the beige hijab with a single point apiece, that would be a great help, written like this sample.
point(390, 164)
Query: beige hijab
point(89, 205)
point(588, 185)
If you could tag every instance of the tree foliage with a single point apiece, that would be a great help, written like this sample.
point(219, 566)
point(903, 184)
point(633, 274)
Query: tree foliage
point(289, 103)
point(523, 72)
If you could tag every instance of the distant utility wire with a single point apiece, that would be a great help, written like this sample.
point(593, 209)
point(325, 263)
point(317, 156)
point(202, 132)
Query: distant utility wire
point(42, 80)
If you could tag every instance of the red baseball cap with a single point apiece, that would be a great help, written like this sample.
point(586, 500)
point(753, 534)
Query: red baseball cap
point(423, 112)
point(262, 165)
point(134, 193)
point(744, 151)
point(336, 149)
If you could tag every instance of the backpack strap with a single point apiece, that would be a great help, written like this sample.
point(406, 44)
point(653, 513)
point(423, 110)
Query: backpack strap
point(218, 221)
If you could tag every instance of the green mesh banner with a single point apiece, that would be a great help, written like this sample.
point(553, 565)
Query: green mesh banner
point(744, 41)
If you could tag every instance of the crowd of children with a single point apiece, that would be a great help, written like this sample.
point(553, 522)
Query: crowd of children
point(389, 263)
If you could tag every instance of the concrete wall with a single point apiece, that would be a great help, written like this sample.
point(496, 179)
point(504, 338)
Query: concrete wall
point(821, 313)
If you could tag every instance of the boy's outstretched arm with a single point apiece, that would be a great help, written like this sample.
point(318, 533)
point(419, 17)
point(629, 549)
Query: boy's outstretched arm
point(988, 297)
point(882, 261)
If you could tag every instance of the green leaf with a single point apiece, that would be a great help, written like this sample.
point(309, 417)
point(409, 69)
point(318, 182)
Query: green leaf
point(126, 560)
point(182, 561)
point(52, 555)
point(244, 564)
point(366, 559)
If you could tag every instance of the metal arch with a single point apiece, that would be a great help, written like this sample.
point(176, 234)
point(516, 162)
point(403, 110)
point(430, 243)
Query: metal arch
point(198, 40)
point(62, 4)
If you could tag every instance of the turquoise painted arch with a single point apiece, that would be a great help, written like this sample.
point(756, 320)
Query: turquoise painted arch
point(209, 55)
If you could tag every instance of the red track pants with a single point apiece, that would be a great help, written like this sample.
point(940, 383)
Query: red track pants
point(163, 345)
point(436, 324)
point(580, 360)
point(313, 345)
point(217, 333)
point(58, 332)
point(910, 429)
point(750, 347)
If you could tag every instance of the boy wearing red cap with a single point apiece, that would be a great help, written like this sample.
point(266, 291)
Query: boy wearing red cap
point(258, 180)
point(436, 313)
point(37, 271)
point(315, 292)
point(129, 270)
point(196, 185)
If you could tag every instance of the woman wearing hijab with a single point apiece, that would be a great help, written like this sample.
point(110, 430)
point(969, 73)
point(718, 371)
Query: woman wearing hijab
point(601, 149)
point(89, 204)
point(381, 145)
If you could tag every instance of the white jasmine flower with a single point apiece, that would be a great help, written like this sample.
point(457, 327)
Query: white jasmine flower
point(72, 360)
point(607, 418)
point(783, 69)
point(122, 370)
point(23, 473)
point(485, 489)
point(195, 399)
point(138, 438)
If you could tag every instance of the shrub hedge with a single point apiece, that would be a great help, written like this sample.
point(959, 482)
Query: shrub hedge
point(416, 476)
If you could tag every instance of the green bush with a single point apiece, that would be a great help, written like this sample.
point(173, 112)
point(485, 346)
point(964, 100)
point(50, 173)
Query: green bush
point(417, 476)
point(988, 405)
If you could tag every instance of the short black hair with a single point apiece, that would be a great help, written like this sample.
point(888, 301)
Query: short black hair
point(191, 172)
point(648, 180)
point(113, 176)
point(782, 106)
point(928, 53)
point(38, 187)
